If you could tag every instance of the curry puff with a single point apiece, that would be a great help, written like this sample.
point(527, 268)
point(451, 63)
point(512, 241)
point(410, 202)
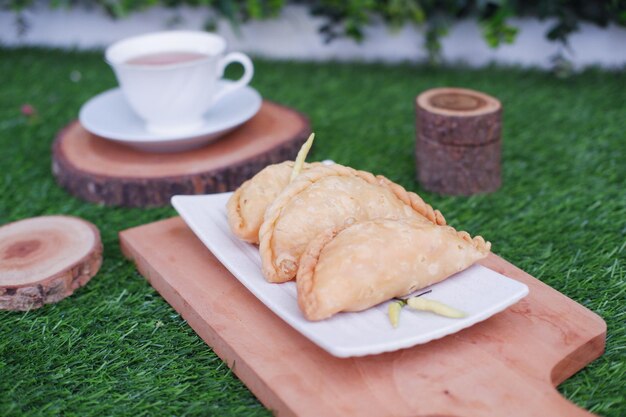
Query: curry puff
point(247, 205)
point(328, 197)
point(362, 265)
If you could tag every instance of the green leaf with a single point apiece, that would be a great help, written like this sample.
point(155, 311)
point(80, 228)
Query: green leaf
point(254, 9)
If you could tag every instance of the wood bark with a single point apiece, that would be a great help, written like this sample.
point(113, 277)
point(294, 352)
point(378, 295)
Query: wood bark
point(101, 171)
point(458, 143)
point(45, 259)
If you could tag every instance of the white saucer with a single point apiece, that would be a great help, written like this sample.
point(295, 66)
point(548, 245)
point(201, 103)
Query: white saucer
point(109, 115)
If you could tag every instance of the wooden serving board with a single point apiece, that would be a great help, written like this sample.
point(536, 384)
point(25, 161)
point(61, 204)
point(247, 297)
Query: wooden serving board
point(102, 171)
point(508, 365)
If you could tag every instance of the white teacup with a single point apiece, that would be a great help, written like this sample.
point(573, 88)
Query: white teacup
point(172, 95)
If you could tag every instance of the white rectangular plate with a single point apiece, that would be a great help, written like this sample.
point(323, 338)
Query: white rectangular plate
point(478, 291)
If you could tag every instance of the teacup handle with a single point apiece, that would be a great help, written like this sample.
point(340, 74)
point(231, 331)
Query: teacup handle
point(248, 72)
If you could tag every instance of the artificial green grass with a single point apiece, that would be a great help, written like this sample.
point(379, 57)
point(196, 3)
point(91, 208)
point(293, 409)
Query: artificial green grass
point(117, 348)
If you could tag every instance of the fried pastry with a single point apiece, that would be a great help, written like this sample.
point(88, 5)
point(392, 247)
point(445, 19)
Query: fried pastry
point(246, 207)
point(362, 265)
point(327, 197)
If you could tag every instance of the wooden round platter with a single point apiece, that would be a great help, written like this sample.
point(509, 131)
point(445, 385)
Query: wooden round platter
point(45, 259)
point(102, 171)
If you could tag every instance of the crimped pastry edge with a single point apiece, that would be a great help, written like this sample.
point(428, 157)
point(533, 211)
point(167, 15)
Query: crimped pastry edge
point(270, 271)
point(305, 278)
point(236, 221)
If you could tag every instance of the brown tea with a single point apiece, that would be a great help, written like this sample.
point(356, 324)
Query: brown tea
point(166, 58)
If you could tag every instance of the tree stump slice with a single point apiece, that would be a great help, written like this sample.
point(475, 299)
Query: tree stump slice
point(102, 171)
point(458, 143)
point(45, 259)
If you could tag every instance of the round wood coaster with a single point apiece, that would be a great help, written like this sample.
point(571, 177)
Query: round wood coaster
point(458, 141)
point(103, 171)
point(44, 259)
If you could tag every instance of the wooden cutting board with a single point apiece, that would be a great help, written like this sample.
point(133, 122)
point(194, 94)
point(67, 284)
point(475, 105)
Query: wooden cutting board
point(505, 366)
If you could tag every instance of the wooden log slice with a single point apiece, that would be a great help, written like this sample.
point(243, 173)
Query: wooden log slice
point(44, 259)
point(457, 116)
point(103, 171)
point(458, 141)
point(459, 170)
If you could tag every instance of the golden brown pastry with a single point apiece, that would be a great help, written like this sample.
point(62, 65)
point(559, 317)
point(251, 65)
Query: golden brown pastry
point(246, 207)
point(327, 197)
point(357, 267)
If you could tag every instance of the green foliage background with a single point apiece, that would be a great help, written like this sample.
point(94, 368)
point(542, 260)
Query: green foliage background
point(117, 348)
point(349, 17)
